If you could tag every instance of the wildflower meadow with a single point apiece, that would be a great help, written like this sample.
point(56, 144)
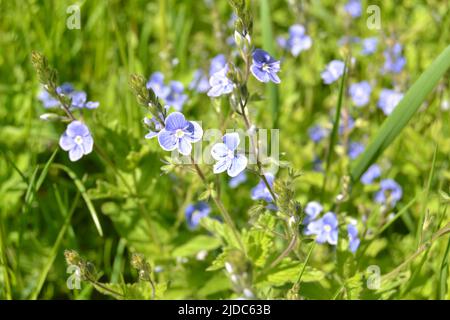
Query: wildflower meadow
point(224, 150)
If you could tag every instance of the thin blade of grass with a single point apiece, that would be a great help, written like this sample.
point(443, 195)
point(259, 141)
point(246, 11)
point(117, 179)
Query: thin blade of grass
point(268, 44)
point(82, 190)
point(56, 245)
point(397, 121)
point(335, 130)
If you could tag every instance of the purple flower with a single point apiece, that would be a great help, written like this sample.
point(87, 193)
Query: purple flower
point(353, 8)
point(47, 100)
point(312, 210)
point(389, 100)
point(394, 61)
point(176, 98)
point(317, 133)
point(220, 84)
point(79, 101)
point(179, 133)
point(227, 156)
point(390, 192)
point(265, 67)
point(200, 82)
point(360, 93)
point(371, 174)
point(325, 229)
point(333, 71)
point(217, 63)
point(260, 192)
point(369, 46)
point(156, 83)
point(239, 179)
point(65, 89)
point(195, 212)
point(354, 241)
point(154, 127)
point(349, 125)
point(297, 41)
point(77, 140)
point(355, 149)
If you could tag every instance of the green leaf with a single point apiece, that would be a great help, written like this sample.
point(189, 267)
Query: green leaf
point(220, 229)
point(401, 115)
point(287, 271)
point(198, 243)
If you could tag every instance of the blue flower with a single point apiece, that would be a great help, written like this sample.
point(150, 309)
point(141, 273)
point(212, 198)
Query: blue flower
point(200, 82)
point(239, 179)
point(297, 41)
point(79, 101)
point(154, 127)
point(346, 126)
point(390, 192)
point(372, 173)
point(312, 210)
point(156, 83)
point(355, 149)
point(369, 46)
point(77, 140)
point(317, 164)
point(176, 98)
point(220, 84)
point(394, 61)
point(325, 229)
point(265, 67)
point(179, 133)
point(217, 63)
point(47, 100)
point(227, 156)
point(333, 71)
point(260, 192)
point(360, 93)
point(389, 100)
point(353, 238)
point(317, 133)
point(195, 212)
point(353, 8)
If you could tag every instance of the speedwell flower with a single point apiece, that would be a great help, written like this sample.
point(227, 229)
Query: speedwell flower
point(317, 133)
point(333, 71)
point(260, 192)
point(389, 99)
point(360, 93)
point(297, 41)
point(325, 229)
point(176, 97)
point(371, 174)
point(227, 156)
point(195, 212)
point(394, 61)
point(220, 84)
point(353, 238)
point(265, 67)
point(355, 149)
point(312, 210)
point(156, 83)
point(369, 46)
point(239, 179)
point(353, 8)
point(390, 192)
point(77, 140)
point(179, 133)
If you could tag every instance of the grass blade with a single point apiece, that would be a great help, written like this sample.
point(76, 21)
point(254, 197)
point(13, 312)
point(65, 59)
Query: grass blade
point(335, 130)
point(394, 124)
point(268, 44)
point(80, 186)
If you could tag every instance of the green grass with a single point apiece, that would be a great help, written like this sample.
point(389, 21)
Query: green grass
point(116, 201)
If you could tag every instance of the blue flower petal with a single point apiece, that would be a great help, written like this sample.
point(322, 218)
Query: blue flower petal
point(167, 140)
point(175, 121)
point(238, 164)
point(231, 140)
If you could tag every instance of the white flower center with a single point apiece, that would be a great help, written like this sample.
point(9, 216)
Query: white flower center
point(179, 133)
point(327, 228)
point(230, 154)
point(265, 67)
point(78, 140)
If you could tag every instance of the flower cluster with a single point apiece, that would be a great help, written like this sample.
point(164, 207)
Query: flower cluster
point(172, 94)
point(394, 61)
point(77, 99)
point(195, 212)
point(333, 71)
point(297, 41)
point(388, 100)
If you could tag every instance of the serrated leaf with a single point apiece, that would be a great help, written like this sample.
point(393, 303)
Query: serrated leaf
point(220, 229)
